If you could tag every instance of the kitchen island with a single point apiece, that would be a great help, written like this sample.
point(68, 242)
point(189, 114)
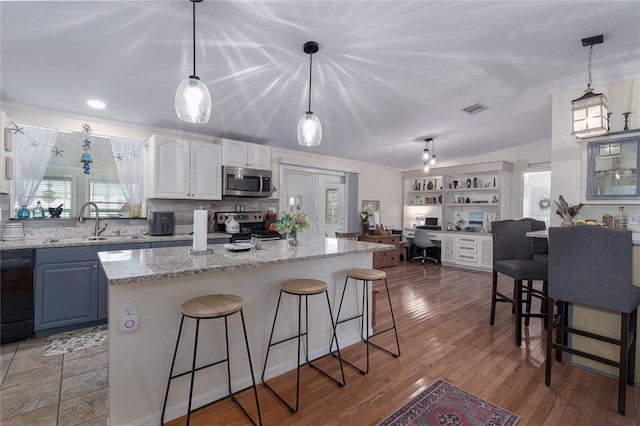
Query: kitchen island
point(158, 281)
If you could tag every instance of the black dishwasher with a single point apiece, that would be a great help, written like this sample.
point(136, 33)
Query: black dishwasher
point(16, 302)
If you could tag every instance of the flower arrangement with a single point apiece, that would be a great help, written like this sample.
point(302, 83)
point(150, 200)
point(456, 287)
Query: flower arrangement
point(291, 223)
point(565, 211)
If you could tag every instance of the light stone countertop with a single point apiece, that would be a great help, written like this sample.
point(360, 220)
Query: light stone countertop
point(75, 241)
point(131, 266)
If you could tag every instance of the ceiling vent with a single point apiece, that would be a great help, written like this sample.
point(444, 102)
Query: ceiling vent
point(475, 108)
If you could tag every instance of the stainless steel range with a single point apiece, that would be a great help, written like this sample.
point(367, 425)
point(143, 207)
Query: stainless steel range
point(250, 223)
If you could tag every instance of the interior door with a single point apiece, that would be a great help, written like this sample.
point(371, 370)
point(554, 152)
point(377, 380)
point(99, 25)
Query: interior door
point(332, 206)
point(300, 191)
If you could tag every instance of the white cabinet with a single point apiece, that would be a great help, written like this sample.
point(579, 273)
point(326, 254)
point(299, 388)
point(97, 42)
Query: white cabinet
point(448, 248)
point(180, 169)
point(467, 250)
point(243, 154)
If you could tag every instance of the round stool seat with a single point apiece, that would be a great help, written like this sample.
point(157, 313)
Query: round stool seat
point(303, 286)
point(366, 274)
point(212, 306)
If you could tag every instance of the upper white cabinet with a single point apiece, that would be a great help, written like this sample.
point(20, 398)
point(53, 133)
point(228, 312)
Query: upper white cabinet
point(181, 169)
point(243, 154)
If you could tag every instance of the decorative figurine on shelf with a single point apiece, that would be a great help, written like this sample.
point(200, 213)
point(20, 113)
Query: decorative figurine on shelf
point(430, 185)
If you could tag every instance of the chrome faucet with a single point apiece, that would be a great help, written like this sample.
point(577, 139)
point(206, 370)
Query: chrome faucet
point(98, 231)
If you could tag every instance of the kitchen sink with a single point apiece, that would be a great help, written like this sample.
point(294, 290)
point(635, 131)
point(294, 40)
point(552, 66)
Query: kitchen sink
point(92, 238)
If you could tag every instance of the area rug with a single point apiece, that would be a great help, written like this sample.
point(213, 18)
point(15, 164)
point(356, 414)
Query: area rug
point(71, 341)
point(444, 404)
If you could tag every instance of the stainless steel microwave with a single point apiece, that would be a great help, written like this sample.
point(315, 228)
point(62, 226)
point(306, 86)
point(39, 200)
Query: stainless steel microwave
point(243, 182)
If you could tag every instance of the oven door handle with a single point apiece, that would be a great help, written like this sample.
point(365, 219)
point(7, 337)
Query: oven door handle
point(242, 240)
point(271, 239)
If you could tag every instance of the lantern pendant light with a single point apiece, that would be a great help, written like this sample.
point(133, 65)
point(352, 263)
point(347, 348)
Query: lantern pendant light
point(309, 127)
point(193, 101)
point(590, 110)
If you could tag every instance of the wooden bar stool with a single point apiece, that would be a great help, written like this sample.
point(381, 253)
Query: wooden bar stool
point(301, 287)
point(367, 276)
point(209, 307)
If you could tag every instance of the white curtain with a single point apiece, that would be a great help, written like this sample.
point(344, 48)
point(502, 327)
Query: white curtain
point(33, 146)
point(129, 158)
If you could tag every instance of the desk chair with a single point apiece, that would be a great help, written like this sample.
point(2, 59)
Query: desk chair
point(422, 240)
point(581, 273)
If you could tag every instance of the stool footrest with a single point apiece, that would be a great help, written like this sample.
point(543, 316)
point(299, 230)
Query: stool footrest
point(349, 319)
point(287, 339)
point(199, 368)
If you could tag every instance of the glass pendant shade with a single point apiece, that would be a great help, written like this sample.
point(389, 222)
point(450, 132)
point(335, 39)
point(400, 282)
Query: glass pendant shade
point(425, 155)
point(309, 130)
point(426, 167)
point(589, 115)
point(193, 101)
point(433, 160)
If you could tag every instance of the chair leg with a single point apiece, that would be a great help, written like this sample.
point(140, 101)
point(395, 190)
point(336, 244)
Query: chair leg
point(253, 379)
point(518, 300)
point(624, 361)
point(494, 290)
point(548, 361)
point(561, 334)
point(529, 288)
point(193, 371)
point(395, 330)
point(633, 322)
point(173, 363)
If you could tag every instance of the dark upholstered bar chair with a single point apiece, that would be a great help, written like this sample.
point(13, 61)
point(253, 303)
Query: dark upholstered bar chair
point(513, 256)
point(580, 273)
point(540, 253)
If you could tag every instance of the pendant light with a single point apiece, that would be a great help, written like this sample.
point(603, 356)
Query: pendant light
point(432, 160)
point(590, 110)
point(309, 127)
point(193, 101)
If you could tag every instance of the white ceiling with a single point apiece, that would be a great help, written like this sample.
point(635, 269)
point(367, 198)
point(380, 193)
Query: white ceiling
point(388, 73)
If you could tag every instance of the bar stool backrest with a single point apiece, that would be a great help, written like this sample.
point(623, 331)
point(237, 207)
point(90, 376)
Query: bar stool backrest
point(510, 240)
point(540, 245)
point(591, 265)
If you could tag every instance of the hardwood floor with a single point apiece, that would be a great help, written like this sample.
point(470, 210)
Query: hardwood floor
point(442, 316)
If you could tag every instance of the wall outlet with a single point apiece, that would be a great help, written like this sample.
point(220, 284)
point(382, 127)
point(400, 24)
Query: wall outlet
point(127, 309)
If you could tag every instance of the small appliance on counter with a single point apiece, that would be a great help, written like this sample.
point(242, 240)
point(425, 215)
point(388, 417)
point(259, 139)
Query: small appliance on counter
point(250, 223)
point(161, 223)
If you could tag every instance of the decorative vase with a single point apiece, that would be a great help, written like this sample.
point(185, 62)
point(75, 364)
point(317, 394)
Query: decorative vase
point(23, 213)
point(292, 238)
point(566, 222)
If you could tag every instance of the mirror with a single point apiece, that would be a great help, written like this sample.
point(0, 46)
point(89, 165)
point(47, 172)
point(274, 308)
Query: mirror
point(371, 213)
point(81, 168)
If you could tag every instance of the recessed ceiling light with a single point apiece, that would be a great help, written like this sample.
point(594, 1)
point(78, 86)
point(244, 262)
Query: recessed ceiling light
point(93, 103)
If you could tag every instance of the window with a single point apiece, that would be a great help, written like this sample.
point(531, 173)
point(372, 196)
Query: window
point(613, 169)
point(108, 196)
point(52, 192)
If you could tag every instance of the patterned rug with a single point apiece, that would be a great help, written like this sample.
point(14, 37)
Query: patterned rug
point(444, 404)
point(71, 341)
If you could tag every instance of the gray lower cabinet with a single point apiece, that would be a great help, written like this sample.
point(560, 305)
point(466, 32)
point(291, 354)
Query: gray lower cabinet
point(70, 286)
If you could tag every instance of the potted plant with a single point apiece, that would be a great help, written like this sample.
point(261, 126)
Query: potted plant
point(566, 212)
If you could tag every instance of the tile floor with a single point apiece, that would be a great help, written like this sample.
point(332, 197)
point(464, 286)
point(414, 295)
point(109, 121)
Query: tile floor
point(60, 390)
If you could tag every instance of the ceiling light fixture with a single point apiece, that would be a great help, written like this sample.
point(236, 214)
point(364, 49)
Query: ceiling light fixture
point(590, 110)
point(432, 160)
point(428, 157)
point(94, 103)
point(309, 127)
point(193, 101)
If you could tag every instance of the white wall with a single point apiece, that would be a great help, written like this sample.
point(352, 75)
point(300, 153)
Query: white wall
point(568, 153)
point(375, 183)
